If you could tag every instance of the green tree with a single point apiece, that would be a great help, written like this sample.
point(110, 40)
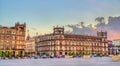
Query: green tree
point(77, 53)
point(81, 53)
point(71, 53)
point(25, 53)
point(87, 52)
point(19, 54)
point(1, 53)
point(6, 53)
point(93, 52)
point(54, 53)
point(11, 53)
point(90, 52)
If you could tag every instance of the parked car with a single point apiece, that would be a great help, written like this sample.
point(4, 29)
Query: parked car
point(51, 56)
point(95, 55)
point(101, 55)
point(35, 57)
point(44, 56)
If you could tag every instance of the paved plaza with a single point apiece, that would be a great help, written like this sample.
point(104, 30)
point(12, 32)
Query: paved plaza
point(96, 61)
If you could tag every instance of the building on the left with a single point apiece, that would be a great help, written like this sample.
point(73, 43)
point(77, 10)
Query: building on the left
point(12, 40)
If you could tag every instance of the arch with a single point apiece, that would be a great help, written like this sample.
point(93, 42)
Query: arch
point(66, 53)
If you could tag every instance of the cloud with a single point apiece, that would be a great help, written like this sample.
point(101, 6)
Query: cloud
point(114, 23)
point(32, 28)
point(99, 19)
point(112, 27)
point(80, 28)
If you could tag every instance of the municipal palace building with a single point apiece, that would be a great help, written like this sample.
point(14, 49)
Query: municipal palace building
point(59, 43)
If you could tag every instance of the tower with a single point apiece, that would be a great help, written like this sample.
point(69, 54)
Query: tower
point(20, 38)
point(103, 35)
point(104, 42)
point(58, 33)
point(58, 30)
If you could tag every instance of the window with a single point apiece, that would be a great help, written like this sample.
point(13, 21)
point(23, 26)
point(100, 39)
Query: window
point(2, 36)
point(7, 46)
point(3, 32)
point(13, 37)
point(21, 38)
point(0, 32)
point(13, 46)
point(13, 33)
point(21, 33)
point(2, 42)
point(7, 36)
point(8, 32)
point(20, 42)
point(1, 47)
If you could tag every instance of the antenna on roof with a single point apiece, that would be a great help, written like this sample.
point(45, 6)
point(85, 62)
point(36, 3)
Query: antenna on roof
point(28, 36)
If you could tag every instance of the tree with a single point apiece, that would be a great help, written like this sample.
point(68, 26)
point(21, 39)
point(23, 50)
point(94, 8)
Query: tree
point(81, 52)
point(25, 53)
point(19, 54)
point(71, 53)
point(1, 53)
point(93, 52)
point(77, 53)
point(6, 53)
point(11, 53)
point(54, 53)
point(88, 52)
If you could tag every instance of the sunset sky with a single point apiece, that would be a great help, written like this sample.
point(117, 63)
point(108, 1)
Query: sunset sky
point(41, 15)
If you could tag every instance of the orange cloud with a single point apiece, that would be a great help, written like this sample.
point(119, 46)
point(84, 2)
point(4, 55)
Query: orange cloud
point(113, 35)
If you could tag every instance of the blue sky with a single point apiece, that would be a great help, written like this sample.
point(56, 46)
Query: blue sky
point(42, 15)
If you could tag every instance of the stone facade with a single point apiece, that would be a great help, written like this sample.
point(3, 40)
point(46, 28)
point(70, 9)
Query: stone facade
point(30, 46)
point(59, 43)
point(12, 39)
